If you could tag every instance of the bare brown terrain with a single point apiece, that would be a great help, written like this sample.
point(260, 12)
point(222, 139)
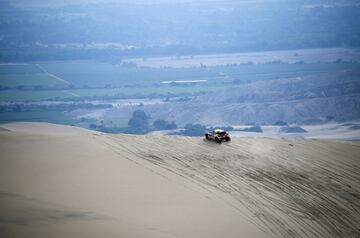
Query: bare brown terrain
point(60, 181)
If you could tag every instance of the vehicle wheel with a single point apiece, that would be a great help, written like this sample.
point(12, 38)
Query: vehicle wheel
point(207, 136)
point(218, 140)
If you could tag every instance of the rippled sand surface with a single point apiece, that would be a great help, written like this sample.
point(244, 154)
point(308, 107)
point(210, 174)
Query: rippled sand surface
point(63, 181)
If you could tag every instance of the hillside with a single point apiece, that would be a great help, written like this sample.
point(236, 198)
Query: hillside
point(61, 181)
point(294, 100)
point(70, 30)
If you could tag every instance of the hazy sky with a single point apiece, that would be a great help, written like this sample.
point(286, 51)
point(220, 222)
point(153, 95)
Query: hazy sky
point(66, 2)
point(167, 27)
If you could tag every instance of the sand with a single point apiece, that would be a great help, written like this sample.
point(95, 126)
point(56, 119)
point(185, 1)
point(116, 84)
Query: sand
point(62, 181)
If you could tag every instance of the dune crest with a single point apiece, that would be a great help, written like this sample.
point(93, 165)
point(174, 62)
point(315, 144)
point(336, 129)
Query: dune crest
point(73, 182)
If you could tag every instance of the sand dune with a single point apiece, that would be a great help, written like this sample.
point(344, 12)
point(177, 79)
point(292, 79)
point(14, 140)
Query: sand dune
point(60, 181)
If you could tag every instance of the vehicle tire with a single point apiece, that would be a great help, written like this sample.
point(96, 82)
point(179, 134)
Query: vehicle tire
point(218, 140)
point(207, 136)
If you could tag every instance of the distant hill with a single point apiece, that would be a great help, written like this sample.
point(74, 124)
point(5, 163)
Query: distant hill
point(68, 30)
point(293, 100)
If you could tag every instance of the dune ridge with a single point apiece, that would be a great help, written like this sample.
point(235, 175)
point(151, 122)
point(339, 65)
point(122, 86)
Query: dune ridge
point(172, 186)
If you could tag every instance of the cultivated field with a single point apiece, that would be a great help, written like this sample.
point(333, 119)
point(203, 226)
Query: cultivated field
point(287, 56)
point(99, 82)
point(78, 79)
point(15, 75)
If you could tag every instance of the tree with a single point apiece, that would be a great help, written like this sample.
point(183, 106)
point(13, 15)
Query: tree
point(292, 129)
point(93, 126)
point(139, 119)
point(164, 125)
point(329, 118)
point(194, 130)
point(253, 129)
point(280, 123)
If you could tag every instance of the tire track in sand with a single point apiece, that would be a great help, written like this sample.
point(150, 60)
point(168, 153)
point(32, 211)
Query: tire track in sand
point(310, 189)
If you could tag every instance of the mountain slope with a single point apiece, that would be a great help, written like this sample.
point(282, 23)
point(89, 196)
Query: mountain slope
point(293, 100)
point(63, 181)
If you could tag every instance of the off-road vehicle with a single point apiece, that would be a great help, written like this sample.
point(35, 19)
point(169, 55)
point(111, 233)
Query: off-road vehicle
point(218, 136)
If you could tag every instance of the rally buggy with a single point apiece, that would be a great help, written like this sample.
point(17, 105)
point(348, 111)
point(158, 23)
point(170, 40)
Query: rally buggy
point(218, 136)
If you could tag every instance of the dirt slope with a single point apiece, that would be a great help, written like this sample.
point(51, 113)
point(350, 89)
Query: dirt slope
point(58, 181)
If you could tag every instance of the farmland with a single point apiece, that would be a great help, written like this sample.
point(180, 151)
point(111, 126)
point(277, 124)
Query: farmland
point(27, 75)
point(94, 80)
point(328, 55)
point(34, 95)
point(97, 74)
point(59, 85)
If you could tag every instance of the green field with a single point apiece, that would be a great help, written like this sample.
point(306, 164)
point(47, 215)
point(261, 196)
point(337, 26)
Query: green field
point(8, 69)
point(26, 75)
point(17, 95)
point(36, 80)
point(91, 79)
point(97, 74)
